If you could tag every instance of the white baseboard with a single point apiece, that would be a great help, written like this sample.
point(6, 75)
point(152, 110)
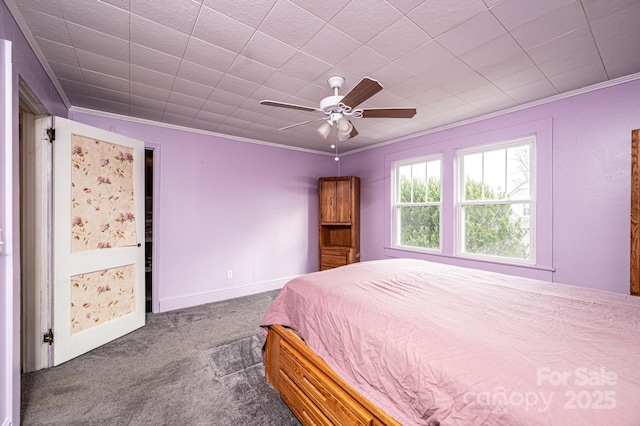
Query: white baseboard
point(218, 295)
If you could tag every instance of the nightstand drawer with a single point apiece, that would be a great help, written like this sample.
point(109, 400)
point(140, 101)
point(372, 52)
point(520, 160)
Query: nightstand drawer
point(336, 256)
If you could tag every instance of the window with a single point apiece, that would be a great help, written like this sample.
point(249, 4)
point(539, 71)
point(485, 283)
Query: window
point(417, 203)
point(495, 214)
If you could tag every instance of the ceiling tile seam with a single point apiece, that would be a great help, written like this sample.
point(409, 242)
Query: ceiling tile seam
point(129, 79)
point(537, 65)
point(475, 71)
point(434, 37)
point(398, 59)
point(238, 54)
point(344, 4)
point(526, 53)
point(20, 20)
point(82, 69)
point(402, 13)
point(298, 50)
point(175, 77)
point(595, 42)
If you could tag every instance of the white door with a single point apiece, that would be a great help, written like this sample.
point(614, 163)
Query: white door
point(98, 236)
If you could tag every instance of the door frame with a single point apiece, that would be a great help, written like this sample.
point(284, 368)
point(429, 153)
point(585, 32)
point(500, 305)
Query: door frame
point(9, 263)
point(35, 240)
point(34, 307)
point(155, 296)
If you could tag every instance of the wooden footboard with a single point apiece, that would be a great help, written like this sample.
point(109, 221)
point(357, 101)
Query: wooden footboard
point(311, 389)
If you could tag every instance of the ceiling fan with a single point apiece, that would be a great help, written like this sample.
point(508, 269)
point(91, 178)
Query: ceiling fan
point(338, 110)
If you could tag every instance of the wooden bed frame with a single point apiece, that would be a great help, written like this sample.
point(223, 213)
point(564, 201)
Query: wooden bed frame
point(311, 389)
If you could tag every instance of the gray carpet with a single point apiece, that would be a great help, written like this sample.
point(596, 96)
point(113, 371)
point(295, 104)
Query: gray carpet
point(195, 366)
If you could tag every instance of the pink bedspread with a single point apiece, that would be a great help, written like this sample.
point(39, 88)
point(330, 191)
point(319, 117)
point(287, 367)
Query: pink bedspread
point(430, 343)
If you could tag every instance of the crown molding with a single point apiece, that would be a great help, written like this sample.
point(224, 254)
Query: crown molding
point(190, 129)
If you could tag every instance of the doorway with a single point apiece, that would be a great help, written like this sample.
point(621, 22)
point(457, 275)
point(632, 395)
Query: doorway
point(148, 228)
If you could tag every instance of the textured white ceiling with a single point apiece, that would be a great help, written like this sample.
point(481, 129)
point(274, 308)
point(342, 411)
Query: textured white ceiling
point(206, 64)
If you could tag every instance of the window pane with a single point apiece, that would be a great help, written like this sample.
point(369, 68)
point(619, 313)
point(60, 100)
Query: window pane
point(494, 175)
point(419, 226)
point(472, 165)
point(433, 181)
point(419, 182)
point(518, 187)
point(496, 230)
point(404, 192)
point(419, 176)
point(412, 191)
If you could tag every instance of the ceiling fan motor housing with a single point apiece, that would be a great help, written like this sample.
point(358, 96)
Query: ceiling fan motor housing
point(330, 103)
point(335, 82)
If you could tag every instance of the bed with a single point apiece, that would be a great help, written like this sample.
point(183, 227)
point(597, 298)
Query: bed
point(412, 342)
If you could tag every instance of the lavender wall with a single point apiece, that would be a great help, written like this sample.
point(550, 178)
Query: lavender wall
point(23, 63)
point(226, 205)
point(590, 171)
point(223, 204)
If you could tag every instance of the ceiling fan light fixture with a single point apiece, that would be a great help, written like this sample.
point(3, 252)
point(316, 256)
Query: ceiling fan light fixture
point(344, 126)
point(324, 129)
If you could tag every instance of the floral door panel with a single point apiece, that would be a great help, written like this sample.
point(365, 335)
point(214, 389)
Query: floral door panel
point(98, 297)
point(102, 195)
point(98, 289)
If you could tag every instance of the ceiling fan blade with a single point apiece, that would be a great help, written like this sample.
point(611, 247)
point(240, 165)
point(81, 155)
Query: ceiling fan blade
point(287, 105)
point(363, 91)
point(388, 112)
point(300, 124)
point(354, 132)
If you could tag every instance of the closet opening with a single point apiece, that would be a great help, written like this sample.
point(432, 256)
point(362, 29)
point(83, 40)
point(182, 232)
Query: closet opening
point(148, 229)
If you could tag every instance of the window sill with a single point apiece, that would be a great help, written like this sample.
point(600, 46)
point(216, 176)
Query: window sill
point(534, 271)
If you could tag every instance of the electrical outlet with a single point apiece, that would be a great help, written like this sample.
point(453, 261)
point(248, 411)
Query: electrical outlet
point(229, 274)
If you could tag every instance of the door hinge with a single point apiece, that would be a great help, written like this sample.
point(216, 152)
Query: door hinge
point(51, 134)
point(48, 337)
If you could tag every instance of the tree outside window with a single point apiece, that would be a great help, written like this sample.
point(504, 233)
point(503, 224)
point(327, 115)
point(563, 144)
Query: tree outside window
point(495, 202)
point(418, 203)
point(496, 195)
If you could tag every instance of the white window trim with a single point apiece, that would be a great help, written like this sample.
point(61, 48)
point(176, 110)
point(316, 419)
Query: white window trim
point(459, 200)
point(461, 137)
point(395, 225)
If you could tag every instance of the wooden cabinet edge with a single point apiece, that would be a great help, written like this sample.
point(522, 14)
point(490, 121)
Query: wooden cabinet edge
point(634, 284)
